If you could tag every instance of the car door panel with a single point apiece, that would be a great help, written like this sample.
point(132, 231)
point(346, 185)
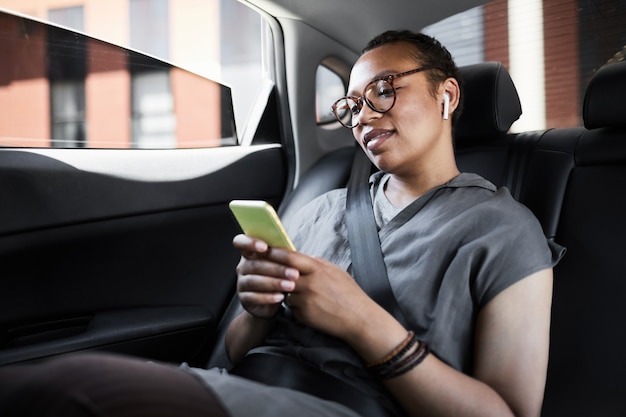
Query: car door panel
point(47, 191)
point(122, 256)
point(161, 333)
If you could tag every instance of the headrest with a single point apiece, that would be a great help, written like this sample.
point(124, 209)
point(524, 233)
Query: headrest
point(604, 100)
point(490, 101)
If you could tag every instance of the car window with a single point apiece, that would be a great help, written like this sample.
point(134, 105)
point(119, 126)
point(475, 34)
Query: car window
point(328, 88)
point(191, 76)
point(551, 49)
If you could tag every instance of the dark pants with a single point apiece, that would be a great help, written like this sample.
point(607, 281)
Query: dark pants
point(103, 385)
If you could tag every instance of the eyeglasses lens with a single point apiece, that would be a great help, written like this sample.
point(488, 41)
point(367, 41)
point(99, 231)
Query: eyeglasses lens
point(346, 110)
point(380, 95)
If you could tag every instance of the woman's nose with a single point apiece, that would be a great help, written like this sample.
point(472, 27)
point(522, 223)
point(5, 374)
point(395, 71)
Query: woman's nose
point(366, 115)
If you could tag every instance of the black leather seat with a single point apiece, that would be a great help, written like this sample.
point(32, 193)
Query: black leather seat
point(587, 360)
point(573, 179)
point(491, 105)
point(532, 167)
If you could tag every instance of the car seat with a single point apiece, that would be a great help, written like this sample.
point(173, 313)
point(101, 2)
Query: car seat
point(587, 361)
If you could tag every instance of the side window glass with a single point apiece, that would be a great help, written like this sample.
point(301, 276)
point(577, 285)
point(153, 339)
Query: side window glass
point(328, 88)
point(67, 84)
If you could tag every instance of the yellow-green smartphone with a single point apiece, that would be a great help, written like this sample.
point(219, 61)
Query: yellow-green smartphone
point(259, 219)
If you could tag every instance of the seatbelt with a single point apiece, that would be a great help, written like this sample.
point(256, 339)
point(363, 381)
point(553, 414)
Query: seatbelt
point(368, 267)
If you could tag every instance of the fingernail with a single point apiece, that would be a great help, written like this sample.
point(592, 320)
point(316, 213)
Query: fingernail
point(292, 273)
point(287, 285)
point(260, 246)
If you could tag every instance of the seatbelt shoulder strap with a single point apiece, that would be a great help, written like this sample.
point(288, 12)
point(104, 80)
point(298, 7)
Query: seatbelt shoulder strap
point(368, 266)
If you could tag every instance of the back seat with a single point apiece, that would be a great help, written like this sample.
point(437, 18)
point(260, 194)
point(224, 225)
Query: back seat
point(587, 356)
point(573, 180)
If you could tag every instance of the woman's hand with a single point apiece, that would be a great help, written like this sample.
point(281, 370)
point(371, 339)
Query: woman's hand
point(262, 284)
point(327, 298)
point(261, 287)
point(321, 294)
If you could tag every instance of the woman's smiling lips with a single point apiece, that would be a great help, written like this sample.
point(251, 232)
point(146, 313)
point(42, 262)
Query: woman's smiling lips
point(375, 138)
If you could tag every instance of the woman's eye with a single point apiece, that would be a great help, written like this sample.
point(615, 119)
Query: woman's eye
point(384, 92)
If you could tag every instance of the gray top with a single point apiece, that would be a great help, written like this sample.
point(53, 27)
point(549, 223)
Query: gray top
point(468, 243)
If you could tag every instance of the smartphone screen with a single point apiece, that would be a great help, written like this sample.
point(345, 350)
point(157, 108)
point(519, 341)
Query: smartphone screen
point(259, 219)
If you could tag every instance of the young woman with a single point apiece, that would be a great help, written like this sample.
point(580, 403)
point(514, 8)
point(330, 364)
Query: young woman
point(470, 270)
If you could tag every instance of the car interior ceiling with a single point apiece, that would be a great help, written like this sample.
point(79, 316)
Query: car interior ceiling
point(572, 179)
point(389, 14)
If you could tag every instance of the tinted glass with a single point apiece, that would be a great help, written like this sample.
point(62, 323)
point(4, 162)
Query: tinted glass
point(75, 89)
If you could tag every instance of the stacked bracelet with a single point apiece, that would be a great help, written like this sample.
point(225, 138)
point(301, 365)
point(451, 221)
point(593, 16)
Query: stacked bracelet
point(402, 359)
point(409, 341)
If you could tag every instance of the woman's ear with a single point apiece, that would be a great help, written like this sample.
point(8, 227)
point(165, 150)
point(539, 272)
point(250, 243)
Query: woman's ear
point(450, 97)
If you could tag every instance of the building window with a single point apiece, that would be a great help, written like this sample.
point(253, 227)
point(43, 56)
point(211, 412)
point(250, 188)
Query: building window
point(67, 81)
point(462, 35)
point(67, 99)
point(154, 122)
point(153, 117)
point(149, 29)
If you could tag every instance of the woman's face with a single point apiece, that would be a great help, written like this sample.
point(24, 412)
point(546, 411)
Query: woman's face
point(411, 136)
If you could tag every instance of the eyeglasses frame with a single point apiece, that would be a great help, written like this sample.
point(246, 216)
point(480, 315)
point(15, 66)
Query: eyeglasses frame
point(389, 79)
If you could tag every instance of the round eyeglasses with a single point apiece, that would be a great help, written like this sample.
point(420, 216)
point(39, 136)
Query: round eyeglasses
point(379, 94)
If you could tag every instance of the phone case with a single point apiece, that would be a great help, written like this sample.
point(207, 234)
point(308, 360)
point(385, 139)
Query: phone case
point(259, 219)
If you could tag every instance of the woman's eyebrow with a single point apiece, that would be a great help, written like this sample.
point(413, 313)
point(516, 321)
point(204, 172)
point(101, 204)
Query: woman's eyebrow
point(383, 74)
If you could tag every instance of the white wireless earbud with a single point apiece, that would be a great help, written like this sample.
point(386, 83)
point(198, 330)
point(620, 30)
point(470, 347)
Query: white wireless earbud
point(446, 106)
